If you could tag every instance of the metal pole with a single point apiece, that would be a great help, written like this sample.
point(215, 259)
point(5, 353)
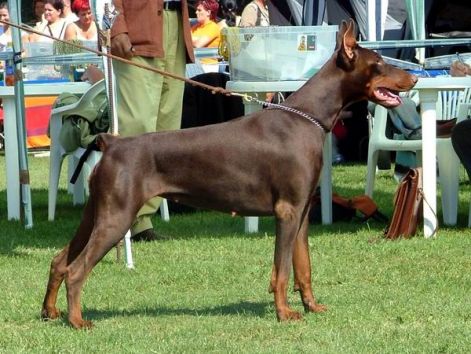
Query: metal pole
point(25, 190)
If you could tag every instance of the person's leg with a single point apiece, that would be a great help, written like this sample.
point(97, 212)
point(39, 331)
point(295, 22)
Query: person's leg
point(170, 110)
point(406, 119)
point(138, 100)
point(171, 99)
point(462, 143)
point(166, 95)
point(138, 97)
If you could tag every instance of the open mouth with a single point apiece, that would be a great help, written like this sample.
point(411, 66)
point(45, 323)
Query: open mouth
point(387, 97)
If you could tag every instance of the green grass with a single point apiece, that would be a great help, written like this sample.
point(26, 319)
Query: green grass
point(204, 287)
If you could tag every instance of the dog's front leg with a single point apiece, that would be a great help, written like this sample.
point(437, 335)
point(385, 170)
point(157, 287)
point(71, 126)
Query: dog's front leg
point(287, 225)
point(56, 276)
point(302, 269)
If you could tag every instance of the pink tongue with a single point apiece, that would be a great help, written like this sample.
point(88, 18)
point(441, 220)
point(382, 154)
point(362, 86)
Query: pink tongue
point(388, 96)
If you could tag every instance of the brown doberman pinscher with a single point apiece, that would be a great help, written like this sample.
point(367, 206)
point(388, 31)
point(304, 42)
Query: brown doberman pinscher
point(266, 163)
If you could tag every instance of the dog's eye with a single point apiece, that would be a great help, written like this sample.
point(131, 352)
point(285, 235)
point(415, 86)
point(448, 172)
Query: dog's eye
point(380, 62)
point(378, 67)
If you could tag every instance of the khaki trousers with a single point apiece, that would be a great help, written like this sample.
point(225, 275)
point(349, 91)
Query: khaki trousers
point(149, 102)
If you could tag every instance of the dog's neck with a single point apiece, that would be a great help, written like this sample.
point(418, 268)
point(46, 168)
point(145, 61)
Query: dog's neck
point(320, 88)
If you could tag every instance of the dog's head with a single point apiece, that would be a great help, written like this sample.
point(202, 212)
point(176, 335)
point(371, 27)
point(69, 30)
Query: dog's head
point(368, 75)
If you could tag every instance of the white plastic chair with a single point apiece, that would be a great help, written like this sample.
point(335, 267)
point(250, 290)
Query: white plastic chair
point(57, 155)
point(57, 152)
point(448, 162)
point(450, 104)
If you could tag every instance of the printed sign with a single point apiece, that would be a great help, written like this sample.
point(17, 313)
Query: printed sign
point(306, 42)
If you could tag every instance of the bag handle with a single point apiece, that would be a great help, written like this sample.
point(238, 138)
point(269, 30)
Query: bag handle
point(362, 203)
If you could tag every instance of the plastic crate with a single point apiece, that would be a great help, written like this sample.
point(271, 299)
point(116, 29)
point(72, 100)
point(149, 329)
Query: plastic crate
point(39, 56)
point(277, 53)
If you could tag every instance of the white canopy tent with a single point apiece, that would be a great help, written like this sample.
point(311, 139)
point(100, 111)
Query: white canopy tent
point(371, 15)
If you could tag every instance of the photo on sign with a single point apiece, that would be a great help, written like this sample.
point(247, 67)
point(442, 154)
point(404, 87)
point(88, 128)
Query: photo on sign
point(306, 42)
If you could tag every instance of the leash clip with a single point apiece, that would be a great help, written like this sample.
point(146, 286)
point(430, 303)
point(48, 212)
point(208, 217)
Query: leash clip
point(245, 96)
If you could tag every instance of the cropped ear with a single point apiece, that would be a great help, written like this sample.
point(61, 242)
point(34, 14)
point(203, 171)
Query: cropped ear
point(346, 42)
point(349, 41)
point(342, 29)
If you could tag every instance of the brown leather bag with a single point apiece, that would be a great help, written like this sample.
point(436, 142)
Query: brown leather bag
point(407, 206)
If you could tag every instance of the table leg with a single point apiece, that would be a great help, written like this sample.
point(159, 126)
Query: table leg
point(251, 222)
point(326, 182)
point(11, 159)
point(428, 102)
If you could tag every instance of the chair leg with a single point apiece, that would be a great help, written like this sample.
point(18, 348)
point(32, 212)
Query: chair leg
point(128, 250)
point(79, 186)
point(371, 171)
point(55, 164)
point(251, 224)
point(448, 167)
point(70, 172)
point(164, 210)
point(88, 167)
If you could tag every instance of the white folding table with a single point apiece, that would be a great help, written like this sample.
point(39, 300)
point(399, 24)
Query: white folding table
point(7, 94)
point(428, 95)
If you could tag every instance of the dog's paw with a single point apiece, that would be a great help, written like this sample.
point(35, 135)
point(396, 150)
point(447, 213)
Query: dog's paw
point(81, 324)
point(314, 307)
point(289, 315)
point(50, 314)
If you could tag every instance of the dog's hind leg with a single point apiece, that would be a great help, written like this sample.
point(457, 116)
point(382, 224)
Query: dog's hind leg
point(65, 257)
point(302, 269)
point(110, 227)
point(287, 225)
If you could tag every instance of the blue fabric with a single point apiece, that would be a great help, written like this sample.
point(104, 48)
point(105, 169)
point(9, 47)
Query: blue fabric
point(406, 119)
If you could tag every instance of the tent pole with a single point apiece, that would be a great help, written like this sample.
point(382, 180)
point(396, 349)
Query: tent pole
point(25, 190)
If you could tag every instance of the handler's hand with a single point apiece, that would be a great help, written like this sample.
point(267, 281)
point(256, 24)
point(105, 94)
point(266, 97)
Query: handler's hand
point(121, 46)
point(92, 74)
point(460, 69)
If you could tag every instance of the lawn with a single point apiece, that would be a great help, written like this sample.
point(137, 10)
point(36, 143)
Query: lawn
point(203, 286)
